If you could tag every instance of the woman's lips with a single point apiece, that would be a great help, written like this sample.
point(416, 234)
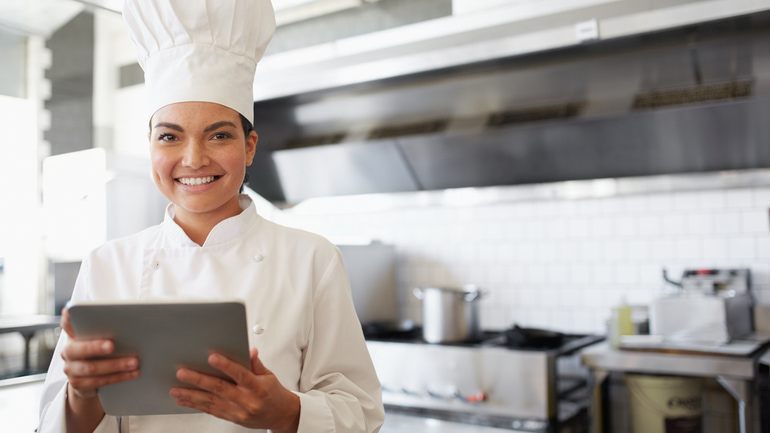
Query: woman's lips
point(195, 181)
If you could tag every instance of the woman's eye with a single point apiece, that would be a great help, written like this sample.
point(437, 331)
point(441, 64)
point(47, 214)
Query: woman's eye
point(166, 137)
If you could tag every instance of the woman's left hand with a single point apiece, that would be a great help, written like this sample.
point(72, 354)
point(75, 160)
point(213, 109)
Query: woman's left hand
point(255, 400)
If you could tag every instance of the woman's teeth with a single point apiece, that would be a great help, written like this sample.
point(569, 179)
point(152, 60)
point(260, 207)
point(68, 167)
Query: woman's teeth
point(191, 181)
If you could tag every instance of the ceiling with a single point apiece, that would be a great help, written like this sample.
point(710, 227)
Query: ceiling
point(43, 17)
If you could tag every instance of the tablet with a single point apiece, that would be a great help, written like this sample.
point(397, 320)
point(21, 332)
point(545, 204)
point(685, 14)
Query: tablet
point(164, 337)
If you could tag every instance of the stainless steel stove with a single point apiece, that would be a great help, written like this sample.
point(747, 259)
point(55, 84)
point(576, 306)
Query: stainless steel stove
point(499, 381)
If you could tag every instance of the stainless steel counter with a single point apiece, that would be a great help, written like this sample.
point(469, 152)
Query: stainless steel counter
point(734, 373)
point(404, 423)
point(19, 405)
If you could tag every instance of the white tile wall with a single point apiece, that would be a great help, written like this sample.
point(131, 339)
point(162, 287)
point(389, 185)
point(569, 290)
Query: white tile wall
point(563, 264)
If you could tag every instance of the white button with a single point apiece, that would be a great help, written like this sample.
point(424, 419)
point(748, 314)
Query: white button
point(154, 265)
point(258, 329)
point(258, 258)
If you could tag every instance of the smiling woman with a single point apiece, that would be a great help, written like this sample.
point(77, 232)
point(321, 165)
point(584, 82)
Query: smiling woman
point(199, 158)
point(310, 369)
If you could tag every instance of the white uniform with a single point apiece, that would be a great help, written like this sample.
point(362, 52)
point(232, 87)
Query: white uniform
point(295, 288)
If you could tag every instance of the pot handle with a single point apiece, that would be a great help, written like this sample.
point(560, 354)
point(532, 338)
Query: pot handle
point(473, 293)
point(418, 293)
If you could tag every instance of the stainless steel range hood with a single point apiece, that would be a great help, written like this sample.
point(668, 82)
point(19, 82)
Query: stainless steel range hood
point(529, 92)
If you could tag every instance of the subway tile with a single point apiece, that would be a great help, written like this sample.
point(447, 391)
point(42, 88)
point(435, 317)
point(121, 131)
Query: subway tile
point(589, 207)
point(573, 295)
point(601, 227)
point(615, 250)
point(603, 273)
point(650, 225)
point(688, 249)
point(699, 224)
point(579, 273)
point(593, 297)
point(568, 251)
point(637, 203)
point(650, 274)
point(547, 251)
point(739, 198)
point(626, 226)
point(535, 229)
point(626, 273)
point(556, 228)
point(661, 202)
point(712, 199)
point(686, 200)
point(715, 248)
point(591, 250)
point(742, 248)
point(567, 208)
point(662, 249)
point(762, 197)
point(755, 221)
point(763, 247)
point(638, 249)
point(536, 273)
point(727, 222)
point(673, 224)
point(579, 228)
point(558, 273)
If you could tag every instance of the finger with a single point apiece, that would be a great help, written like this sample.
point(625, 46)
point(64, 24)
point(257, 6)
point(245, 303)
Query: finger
point(238, 373)
point(256, 365)
point(100, 367)
point(213, 385)
point(206, 402)
point(85, 384)
point(65, 323)
point(76, 350)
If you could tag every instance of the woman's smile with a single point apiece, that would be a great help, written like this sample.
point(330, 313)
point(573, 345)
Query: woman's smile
point(195, 181)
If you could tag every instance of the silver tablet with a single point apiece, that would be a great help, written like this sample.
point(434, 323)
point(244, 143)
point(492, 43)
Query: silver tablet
point(164, 337)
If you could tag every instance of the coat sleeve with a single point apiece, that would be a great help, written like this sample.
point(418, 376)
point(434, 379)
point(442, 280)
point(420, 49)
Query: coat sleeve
point(339, 389)
point(54, 397)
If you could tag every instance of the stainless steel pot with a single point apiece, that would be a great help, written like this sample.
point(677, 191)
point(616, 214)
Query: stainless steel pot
point(449, 315)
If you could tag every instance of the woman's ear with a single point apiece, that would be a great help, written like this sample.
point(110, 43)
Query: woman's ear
point(251, 147)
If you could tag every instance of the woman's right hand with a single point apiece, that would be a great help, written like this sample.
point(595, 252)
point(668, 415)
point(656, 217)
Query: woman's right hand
point(84, 367)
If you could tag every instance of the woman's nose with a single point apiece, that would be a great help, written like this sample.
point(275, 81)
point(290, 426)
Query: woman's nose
point(195, 155)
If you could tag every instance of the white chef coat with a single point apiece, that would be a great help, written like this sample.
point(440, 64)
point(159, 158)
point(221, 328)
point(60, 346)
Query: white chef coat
point(299, 311)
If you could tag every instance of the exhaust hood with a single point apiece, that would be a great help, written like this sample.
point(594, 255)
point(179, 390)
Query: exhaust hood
point(525, 92)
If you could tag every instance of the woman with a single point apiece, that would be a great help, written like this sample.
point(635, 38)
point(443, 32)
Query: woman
point(311, 371)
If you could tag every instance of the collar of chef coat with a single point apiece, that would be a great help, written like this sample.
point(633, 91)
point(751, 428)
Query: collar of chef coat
point(225, 231)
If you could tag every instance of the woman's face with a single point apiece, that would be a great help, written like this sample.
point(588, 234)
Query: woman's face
point(199, 156)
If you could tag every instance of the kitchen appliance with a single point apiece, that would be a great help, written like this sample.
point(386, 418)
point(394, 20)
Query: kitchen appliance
point(712, 306)
point(521, 378)
point(449, 314)
point(372, 272)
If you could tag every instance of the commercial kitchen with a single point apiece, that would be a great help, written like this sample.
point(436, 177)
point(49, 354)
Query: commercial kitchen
point(555, 214)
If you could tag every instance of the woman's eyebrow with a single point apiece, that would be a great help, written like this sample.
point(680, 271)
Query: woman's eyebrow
point(173, 126)
point(218, 125)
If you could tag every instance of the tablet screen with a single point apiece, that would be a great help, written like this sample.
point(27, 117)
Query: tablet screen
point(164, 337)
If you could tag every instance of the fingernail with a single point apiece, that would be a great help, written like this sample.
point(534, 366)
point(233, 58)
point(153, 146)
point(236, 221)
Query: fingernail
point(174, 393)
point(106, 346)
point(131, 363)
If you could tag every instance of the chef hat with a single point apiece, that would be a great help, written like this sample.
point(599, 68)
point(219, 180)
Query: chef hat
point(200, 50)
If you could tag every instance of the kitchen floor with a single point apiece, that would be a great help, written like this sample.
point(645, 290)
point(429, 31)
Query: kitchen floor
point(19, 402)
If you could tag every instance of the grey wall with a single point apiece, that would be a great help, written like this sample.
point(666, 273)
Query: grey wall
point(71, 75)
point(13, 65)
point(367, 18)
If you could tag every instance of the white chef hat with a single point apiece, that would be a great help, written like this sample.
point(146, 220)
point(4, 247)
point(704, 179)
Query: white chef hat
point(200, 50)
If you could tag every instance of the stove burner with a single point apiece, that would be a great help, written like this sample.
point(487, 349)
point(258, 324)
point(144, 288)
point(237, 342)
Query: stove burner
point(515, 337)
point(518, 337)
